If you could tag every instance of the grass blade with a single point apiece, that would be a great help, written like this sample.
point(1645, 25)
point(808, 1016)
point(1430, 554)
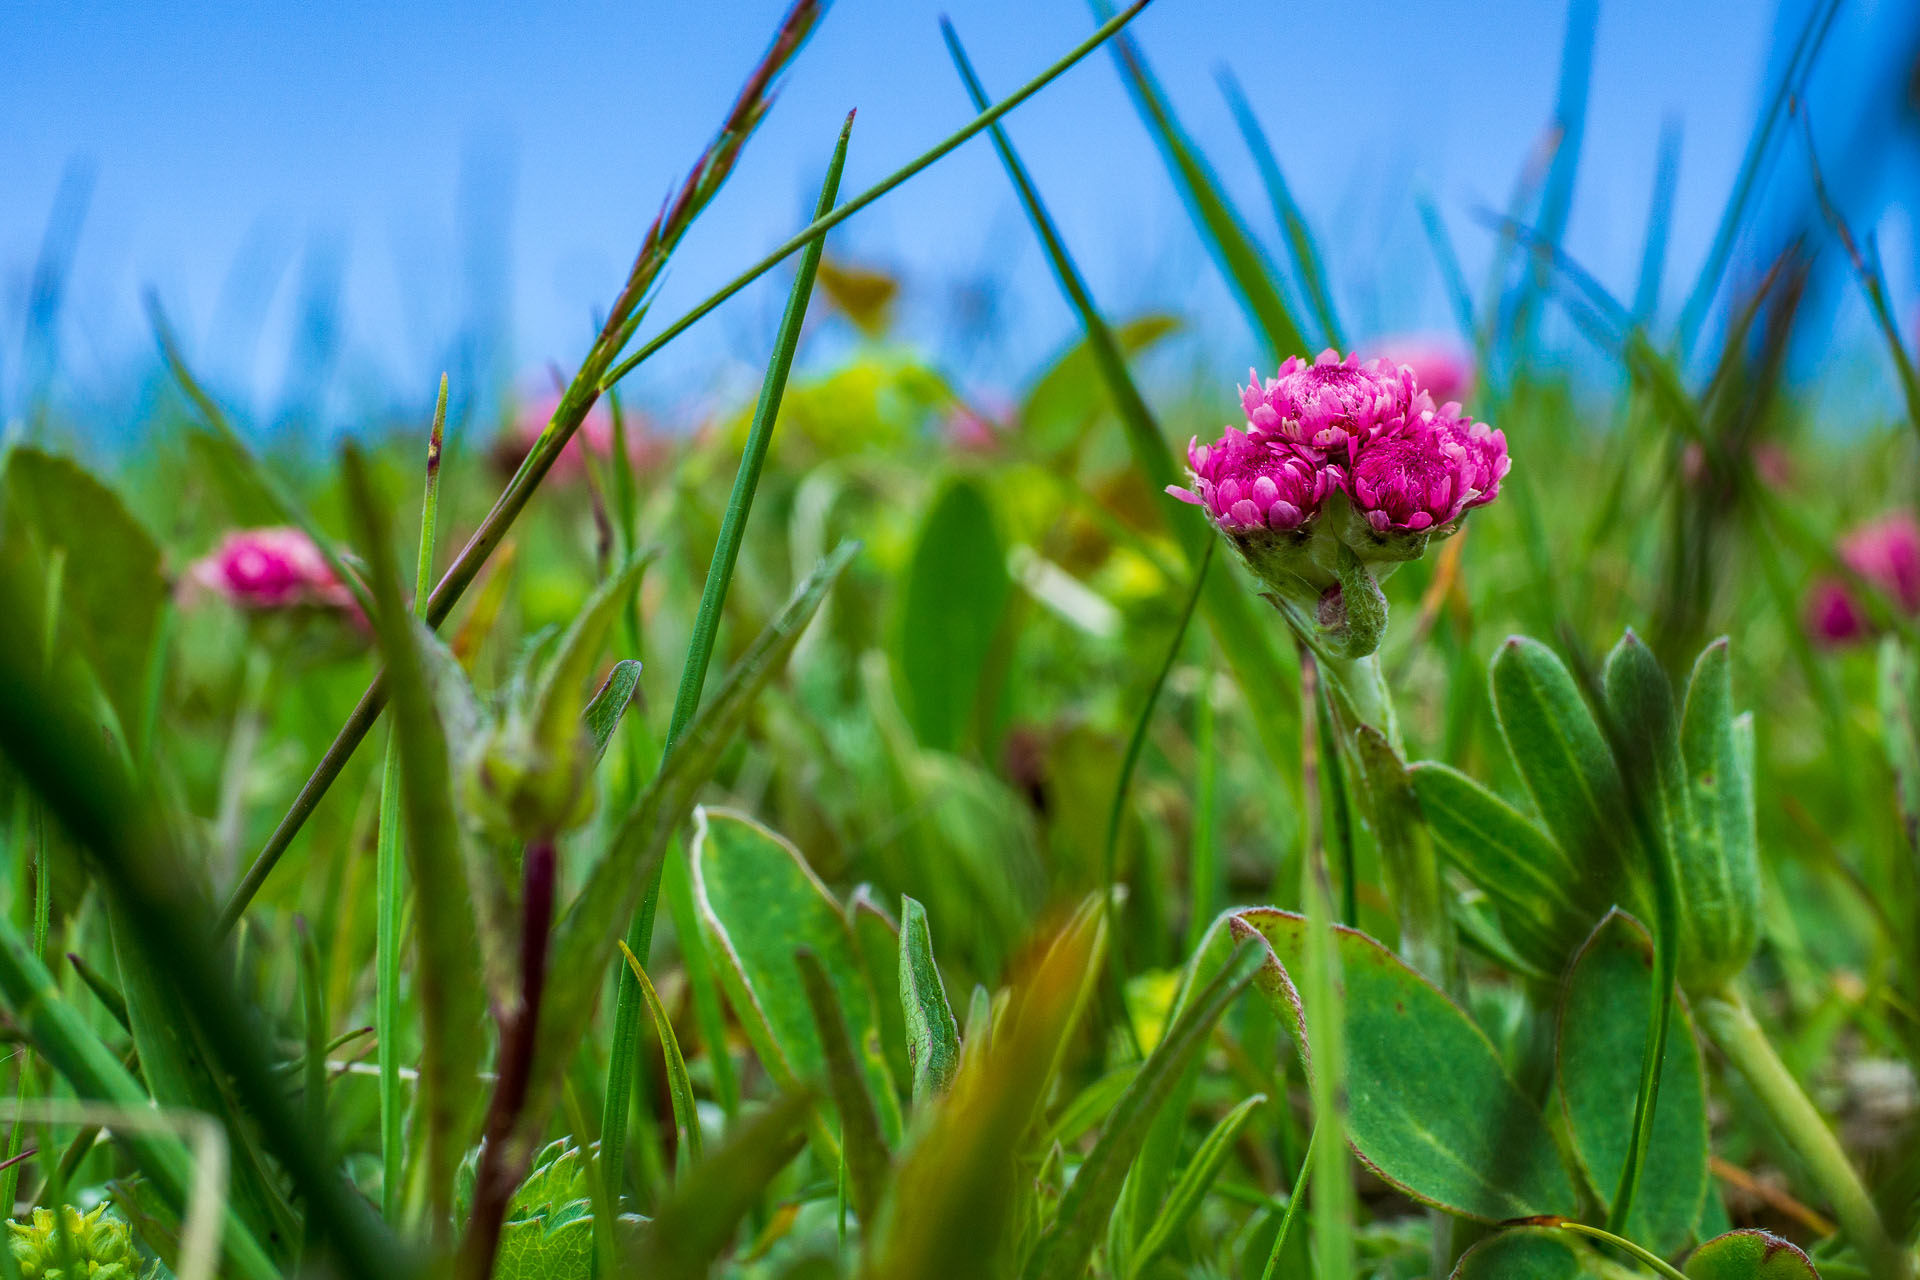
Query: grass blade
point(1191, 1187)
point(445, 937)
point(389, 871)
point(862, 1147)
point(679, 1087)
point(1066, 1246)
point(1240, 258)
point(1293, 224)
point(706, 629)
point(1258, 664)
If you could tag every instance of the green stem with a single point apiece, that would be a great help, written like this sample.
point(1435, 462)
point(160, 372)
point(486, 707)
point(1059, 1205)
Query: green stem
point(1731, 1025)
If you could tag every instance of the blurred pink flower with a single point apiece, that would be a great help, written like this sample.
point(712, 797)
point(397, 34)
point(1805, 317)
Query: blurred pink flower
point(273, 568)
point(1427, 471)
point(968, 430)
point(645, 446)
point(1442, 367)
point(1886, 553)
point(1772, 464)
point(1330, 404)
point(1247, 482)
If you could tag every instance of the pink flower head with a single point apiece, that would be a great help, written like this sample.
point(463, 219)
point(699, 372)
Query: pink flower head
point(1441, 367)
point(1246, 482)
point(1330, 404)
point(1427, 471)
point(264, 569)
point(1887, 554)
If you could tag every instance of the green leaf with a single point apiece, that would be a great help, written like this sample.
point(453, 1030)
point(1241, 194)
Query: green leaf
point(933, 1037)
point(955, 591)
point(1718, 864)
point(1191, 1187)
point(1529, 1253)
point(864, 1151)
point(111, 587)
point(760, 903)
point(561, 699)
point(1066, 1246)
point(879, 939)
point(1640, 700)
point(604, 712)
point(1749, 1254)
point(1603, 1029)
point(1523, 873)
point(1463, 1139)
point(1570, 772)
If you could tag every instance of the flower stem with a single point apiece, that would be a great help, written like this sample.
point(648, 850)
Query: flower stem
point(1731, 1026)
point(505, 1153)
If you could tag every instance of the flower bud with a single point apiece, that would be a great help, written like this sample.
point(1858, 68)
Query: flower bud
point(1887, 554)
point(523, 789)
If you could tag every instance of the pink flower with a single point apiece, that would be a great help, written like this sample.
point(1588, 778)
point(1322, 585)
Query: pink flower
point(1887, 554)
point(276, 568)
point(972, 430)
point(1331, 404)
point(645, 446)
point(1246, 481)
point(1427, 470)
point(1441, 367)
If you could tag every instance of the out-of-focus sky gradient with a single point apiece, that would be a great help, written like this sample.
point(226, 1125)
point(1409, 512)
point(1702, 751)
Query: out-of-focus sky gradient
point(397, 183)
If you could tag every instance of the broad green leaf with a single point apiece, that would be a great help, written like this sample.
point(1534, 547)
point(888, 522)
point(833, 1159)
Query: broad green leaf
point(1748, 1254)
point(879, 939)
point(863, 1150)
point(1193, 1183)
point(1065, 1247)
point(603, 713)
point(1569, 770)
point(704, 1210)
point(1526, 876)
point(933, 1038)
point(1603, 1028)
point(1528, 1253)
point(1429, 1107)
point(111, 588)
point(760, 903)
point(1719, 871)
point(955, 591)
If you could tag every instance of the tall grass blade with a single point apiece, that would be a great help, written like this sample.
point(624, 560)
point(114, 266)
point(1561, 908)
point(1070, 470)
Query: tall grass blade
point(706, 629)
point(1258, 664)
point(863, 1148)
point(1301, 246)
point(679, 1087)
point(1653, 252)
point(1241, 259)
point(1064, 1249)
point(390, 885)
point(1556, 195)
point(445, 937)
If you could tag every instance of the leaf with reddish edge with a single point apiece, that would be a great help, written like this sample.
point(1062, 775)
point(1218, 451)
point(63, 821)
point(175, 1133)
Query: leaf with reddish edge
point(1749, 1254)
point(1430, 1109)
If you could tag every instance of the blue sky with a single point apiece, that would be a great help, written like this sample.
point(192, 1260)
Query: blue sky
point(428, 162)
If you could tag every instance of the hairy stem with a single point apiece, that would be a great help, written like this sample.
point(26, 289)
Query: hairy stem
point(503, 1156)
point(1731, 1025)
